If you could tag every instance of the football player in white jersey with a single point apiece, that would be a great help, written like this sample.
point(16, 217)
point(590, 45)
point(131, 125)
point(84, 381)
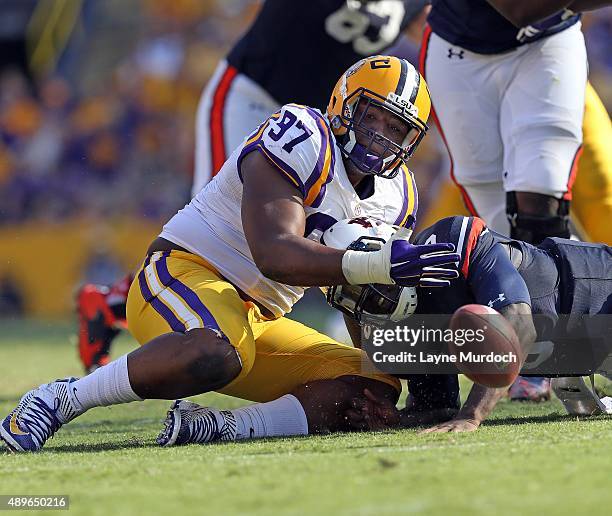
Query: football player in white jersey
point(261, 73)
point(208, 304)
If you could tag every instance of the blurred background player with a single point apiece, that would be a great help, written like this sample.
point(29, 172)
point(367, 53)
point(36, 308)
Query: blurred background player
point(262, 72)
point(101, 312)
point(508, 89)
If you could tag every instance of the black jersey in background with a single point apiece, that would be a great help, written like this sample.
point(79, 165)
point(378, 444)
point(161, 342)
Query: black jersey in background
point(475, 25)
point(297, 50)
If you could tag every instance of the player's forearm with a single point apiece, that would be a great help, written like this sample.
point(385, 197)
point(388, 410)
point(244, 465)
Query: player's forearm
point(480, 403)
point(295, 260)
point(525, 12)
point(520, 318)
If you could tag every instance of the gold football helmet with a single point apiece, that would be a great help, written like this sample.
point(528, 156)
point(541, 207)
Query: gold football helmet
point(392, 84)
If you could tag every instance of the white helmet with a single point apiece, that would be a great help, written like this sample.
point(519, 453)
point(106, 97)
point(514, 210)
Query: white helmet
point(373, 302)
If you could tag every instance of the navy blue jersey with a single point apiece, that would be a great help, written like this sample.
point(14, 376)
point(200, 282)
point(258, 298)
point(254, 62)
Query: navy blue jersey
point(556, 277)
point(297, 51)
point(475, 25)
point(486, 274)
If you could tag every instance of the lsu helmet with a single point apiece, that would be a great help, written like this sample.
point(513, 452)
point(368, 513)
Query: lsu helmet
point(367, 303)
point(388, 82)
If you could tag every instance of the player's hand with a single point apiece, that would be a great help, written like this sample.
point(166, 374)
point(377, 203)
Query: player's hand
point(418, 265)
point(402, 263)
point(369, 412)
point(454, 425)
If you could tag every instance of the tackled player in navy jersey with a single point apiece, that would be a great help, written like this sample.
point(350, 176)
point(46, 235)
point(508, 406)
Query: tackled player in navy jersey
point(508, 81)
point(556, 278)
point(497, 271)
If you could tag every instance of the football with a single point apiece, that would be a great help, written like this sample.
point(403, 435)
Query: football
point(485, 346)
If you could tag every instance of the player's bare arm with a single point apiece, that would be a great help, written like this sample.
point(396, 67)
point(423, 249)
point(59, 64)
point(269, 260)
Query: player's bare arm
point(482, 400)
point(273, 219)
point(519, 317)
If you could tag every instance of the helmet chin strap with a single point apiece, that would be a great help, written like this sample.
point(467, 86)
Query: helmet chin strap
point(364, 160)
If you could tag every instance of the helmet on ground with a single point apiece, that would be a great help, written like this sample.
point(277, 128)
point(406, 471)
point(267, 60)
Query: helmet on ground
point(367, 303)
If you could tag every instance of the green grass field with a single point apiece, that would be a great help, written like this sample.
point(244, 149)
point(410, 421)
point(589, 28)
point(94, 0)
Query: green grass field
point(528, 459)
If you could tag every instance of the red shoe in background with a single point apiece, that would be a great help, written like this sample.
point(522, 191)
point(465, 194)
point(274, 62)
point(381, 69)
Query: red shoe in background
point(101, 312)
point(530, 389)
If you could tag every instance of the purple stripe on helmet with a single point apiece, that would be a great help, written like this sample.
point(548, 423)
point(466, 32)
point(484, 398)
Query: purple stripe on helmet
point(182, 290)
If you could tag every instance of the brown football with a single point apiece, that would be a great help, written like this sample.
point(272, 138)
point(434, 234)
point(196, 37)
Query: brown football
point(485, 345)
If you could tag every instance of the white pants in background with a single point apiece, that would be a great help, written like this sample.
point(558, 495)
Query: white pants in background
point(231, 107)
point(511, 121)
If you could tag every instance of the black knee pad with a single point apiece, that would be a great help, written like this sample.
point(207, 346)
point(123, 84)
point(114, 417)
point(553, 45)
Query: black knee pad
point(535, 228)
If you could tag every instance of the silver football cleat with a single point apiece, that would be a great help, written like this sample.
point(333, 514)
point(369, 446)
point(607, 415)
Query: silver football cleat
point(577, 398)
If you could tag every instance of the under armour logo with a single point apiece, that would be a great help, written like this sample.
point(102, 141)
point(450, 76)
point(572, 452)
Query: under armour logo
point(501, 297)
point(452, 54)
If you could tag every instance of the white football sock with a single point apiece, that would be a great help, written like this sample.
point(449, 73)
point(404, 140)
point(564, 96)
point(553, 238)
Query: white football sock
point(107, 385)
point(282, 417)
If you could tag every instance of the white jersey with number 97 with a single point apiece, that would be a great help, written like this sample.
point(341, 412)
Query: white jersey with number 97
point(298, 141)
